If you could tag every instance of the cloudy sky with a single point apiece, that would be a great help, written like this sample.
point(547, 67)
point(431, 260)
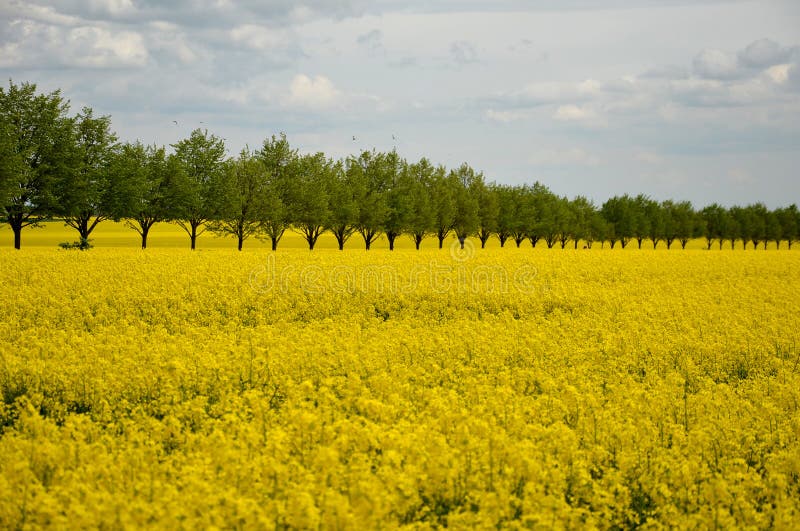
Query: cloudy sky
point(684, 99)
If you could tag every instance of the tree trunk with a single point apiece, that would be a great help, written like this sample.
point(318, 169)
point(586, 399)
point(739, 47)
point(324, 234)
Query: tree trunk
point(274, 244)
point(145, 232)
point(193, 236)
point(241, 241)
point(461, 241)
point(441, 240)
point(17, 228)
point(418, 240)
point(391, 237)
point(502, 240)
point(613, 243)
point(639, 241)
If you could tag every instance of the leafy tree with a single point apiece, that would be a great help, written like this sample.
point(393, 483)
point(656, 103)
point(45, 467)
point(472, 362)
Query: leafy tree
point(758, 214)
point(774, 229)
point(243, 204)
point(679, 222)
point(789, 218)
point(656, 222)
point(581, 212)
point(564, 221)
point(715, 224)
point(82, 192)
point(422, 215)
point(367, 173)
point(309, 204)
point(507, 207)
point(199, 194)
point(690, 223)
point(444, 204)
point(598, 229)
point(525, 214)
point(620, 213)
point(398, 197)
point(488, 200)
point(466, 216)
point(735, 218)
point(280, 161)
point(138, 182)
point(643, 206)
point(343, 205)
point(538, 216)
point(36, 135)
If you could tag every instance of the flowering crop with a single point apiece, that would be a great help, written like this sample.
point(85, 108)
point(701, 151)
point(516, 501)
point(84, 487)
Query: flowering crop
point(501, 387)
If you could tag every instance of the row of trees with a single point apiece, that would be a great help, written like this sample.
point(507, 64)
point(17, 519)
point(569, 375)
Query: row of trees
point(56, 166)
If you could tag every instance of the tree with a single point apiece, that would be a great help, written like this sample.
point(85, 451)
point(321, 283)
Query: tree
point(309, 203)
point(367, 173)
point(398, 197)
point(466, 219)
point(598, 229)
point(422, 215)
point(199, 193)
point(620, 213)
point(642, 206)
point(138, 182)
point(525, 214)
point(758, 214)
point(488, 200)
point(243, 203)
point(82, 192)
point(280, 162)
point(36, 134)
point(507, 218)
point(444, 204)
point(564, 221)
point(656, 222)
point(774, 230)
point(789, 218)
point(690, 224)
point(344, 205)
point(537, 216)
point(582, 210)
point(714, 220)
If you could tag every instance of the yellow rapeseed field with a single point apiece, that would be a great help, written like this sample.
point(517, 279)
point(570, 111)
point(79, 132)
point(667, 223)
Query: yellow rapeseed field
point(368, 390)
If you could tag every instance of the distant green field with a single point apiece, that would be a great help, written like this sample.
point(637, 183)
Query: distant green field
point(109, 234)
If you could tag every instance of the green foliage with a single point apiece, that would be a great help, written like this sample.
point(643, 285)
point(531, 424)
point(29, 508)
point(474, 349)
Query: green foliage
point(35, 138)
point(54, 165)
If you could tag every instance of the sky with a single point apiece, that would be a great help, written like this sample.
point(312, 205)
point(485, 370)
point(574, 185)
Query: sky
point(676, 99)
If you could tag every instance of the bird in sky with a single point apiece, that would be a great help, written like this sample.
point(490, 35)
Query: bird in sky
point(354, 138)
point(175, 122)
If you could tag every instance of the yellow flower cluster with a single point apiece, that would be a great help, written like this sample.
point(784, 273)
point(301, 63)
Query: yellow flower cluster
point(500, 387)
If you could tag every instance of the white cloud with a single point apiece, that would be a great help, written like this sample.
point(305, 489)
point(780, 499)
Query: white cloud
point(564, 156)
point(503, 116)
point(316, 93)
point(83, 47)
point(258, 37)
point(573, 113)
point(716, 64)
